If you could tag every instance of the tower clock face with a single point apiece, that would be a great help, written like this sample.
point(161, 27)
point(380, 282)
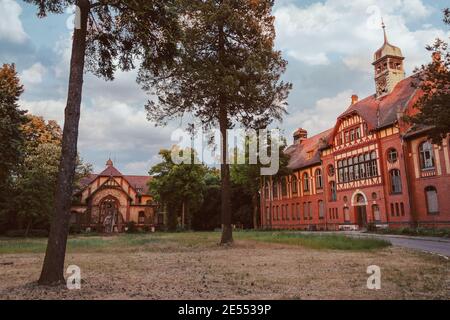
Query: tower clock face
point(381, 86)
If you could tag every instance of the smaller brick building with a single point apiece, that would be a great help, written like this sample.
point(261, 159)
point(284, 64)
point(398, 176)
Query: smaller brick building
point(109, 200)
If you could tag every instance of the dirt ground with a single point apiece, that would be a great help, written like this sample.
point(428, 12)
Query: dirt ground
point(248, 270)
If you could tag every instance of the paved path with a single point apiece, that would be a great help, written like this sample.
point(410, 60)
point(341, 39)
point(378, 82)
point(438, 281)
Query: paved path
point(435, 245)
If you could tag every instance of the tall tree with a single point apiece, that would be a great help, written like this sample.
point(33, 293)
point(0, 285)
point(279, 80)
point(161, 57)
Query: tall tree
point(11, 120)
point(108, 35)
point(434, 81)
point(178, 186)
point(227, 72)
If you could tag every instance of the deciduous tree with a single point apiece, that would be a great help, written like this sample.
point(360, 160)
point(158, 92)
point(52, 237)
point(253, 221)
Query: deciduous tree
point(434, 82)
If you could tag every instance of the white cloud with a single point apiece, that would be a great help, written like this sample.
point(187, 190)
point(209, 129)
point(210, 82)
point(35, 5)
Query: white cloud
point(34, 74)
point(322, 116)
point(351, 31)
point(49, 109)
point(11, 28)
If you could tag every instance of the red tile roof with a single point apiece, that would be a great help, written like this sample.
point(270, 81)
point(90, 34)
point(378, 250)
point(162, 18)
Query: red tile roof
point(382, 112)
point(299, 152)
point(137, 182)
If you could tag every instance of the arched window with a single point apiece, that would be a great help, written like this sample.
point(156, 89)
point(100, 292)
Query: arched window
point(426, 155)
point(392, 155)
point(333, 193)
point(321, 209)
point(376, 212)
point(267, 190)
point(305, 182)
point(319, 183)
point(284, 186)
point(275, 188)
point(432, 200)
point(294, 185)
point(396, 181)
point(141, 217)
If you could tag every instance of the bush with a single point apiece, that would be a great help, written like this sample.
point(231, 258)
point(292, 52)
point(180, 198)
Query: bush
point(33, 233)
point(131, 227)
point(371, 227)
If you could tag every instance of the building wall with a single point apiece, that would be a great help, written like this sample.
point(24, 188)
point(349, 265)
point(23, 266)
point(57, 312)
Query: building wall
point(439, 178)
point(401, 209)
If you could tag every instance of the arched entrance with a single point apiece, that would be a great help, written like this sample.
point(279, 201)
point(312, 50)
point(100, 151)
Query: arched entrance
point(359, 201)
point(110, 217)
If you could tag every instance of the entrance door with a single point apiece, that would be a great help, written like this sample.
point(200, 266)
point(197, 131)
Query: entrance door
point(361, 214)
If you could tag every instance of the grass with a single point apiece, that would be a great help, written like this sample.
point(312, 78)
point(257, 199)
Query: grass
point(188, 241)
point(333, 242)
point(425, 232)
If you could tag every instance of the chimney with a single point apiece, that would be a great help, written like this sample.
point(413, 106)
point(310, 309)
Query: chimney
point(300, 135)
point(354, 99)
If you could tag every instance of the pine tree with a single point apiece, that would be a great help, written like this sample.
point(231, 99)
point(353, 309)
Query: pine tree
point(109, 35)
point(227, 72)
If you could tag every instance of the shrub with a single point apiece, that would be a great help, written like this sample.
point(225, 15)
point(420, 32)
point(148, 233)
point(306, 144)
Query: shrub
point(371, 227)
point(131, 227)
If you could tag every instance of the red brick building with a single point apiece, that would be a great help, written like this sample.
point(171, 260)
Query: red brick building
point(108, 201)
point(370, 168)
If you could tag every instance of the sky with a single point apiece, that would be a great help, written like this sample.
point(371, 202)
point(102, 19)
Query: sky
point(329, 45)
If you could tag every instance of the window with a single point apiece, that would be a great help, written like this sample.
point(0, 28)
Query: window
point(352, 135)
point(397, 209)
point(319, 184)
point(396, 181)
point(305, 182)
point(374, 196)
point(432, 200)
point(333, 193)
point(284, 186)
point(339, 139)
point(402, 209)
point(331, 170)
point(356, 168)
point(346, 137)
point(321, 209)
point(392, 210)
point(305, 211)
point(358, 133)
point(426, 155)
point(310, 208)
point(346, 214)
point(266, 190)
point(275, 188)
point(141, 217)
point(294, 184)
point(298, 211)
point(376, 212)
point(392, 155)
point(293, 213)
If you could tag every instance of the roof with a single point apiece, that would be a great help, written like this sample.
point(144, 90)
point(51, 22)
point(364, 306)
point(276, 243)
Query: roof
point(381, 112)
point(298, 153)
point(137, 182)
point(387, 49)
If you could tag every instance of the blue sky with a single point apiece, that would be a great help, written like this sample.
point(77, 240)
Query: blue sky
point(329, 45)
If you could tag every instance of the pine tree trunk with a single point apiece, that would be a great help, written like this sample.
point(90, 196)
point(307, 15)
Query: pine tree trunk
point(53, 268)
point(227, 232)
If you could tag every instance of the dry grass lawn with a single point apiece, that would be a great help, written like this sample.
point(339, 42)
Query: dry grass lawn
point(193, 266)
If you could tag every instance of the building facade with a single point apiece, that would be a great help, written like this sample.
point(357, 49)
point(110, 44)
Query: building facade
point(371, 168)
point(108, 201)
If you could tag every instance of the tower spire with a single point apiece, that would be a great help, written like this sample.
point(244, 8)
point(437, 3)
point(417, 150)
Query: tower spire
point(384, 31)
